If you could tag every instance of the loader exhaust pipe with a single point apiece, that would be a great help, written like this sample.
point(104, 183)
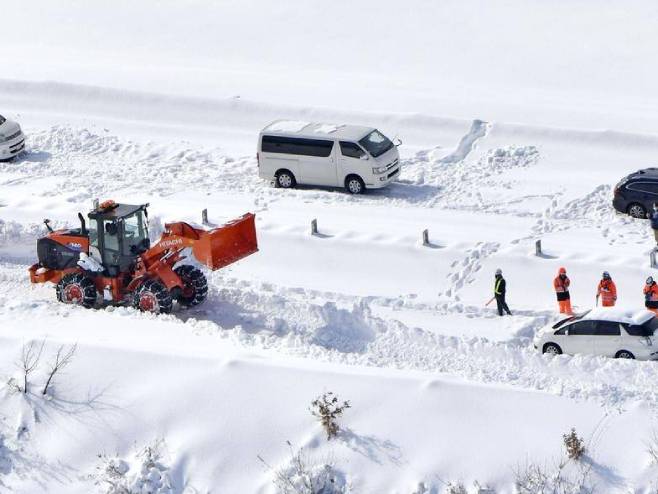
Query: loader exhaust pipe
point(83, 224)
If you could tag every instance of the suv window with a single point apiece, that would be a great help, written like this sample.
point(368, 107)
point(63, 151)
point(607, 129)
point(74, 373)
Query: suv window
point(297, 145)
point(351, 150)
point(581, 328)
point(647, 187)
point(607, 328)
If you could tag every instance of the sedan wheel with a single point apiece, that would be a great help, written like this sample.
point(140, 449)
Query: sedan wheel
point(552, 349)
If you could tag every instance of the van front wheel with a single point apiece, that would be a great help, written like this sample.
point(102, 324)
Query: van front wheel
point(354, 185)
point(285, 179)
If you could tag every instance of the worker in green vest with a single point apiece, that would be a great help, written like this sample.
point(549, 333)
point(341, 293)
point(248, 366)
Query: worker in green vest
point(500, 288)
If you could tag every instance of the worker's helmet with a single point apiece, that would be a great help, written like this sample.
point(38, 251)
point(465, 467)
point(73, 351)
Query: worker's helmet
point(499, 271)
point(649, 280)
point(606, 275)
point(562, 271)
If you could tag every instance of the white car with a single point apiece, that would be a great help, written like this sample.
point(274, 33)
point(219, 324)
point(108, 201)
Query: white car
point(350, 156)
point(609, 332)
point(12, 139)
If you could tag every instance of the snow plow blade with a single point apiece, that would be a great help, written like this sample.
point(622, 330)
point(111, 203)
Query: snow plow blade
point(228, 243)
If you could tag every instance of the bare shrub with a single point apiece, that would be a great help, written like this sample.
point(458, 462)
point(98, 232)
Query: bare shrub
point(456, 488)
point(29, 361)
point(63, 358)
point(328, 409)
point(302, 475)
point(575, 445)
point(652, 448)
point(143, 472)
point(533, 478)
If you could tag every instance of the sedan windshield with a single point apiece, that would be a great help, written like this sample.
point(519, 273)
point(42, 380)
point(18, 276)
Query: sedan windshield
point(646, 329)
point(376, 143)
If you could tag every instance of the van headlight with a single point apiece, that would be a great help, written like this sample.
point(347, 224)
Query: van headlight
point(379, 169)
point(3, 138)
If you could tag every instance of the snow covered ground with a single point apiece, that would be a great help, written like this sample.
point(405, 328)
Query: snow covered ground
point(503, 145)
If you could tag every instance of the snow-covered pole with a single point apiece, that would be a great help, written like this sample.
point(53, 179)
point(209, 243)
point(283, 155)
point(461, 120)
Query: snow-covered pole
point(538, 248)
point(314, 227)
point(204, 216)
point(426, 237)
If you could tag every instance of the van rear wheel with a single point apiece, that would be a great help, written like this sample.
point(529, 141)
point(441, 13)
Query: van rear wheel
point(285, 179)
point(354, 185)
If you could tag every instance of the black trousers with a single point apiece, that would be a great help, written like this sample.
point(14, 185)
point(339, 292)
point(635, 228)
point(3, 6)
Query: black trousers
point(502, 305)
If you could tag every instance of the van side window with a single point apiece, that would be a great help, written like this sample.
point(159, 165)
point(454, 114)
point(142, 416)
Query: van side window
point(297, 145)
point(350, 150)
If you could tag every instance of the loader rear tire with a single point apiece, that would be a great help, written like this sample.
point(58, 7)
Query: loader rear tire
point(152, 296)
point(195, 288)
point(77, 289)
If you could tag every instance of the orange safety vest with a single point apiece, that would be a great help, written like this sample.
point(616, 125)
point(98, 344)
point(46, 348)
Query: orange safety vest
point(608, 292)
point(651, 291)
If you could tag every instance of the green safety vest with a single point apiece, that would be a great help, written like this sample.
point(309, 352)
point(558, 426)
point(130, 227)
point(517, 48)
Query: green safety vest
point(497, 286)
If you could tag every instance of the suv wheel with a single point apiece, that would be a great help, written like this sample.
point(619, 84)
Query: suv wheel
point(637, 211)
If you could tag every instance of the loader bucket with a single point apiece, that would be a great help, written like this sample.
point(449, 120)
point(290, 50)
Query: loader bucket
point(228, 243)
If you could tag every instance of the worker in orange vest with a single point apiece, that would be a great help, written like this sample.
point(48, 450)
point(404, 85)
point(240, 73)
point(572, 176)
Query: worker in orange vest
point(607, 291)
point(651, 295)
point(561, 284)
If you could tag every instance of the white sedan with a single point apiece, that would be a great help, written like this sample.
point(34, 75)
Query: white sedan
point(12, 139)
point(609, 332)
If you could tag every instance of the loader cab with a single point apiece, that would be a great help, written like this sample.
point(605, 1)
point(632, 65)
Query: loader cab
point(118, 234)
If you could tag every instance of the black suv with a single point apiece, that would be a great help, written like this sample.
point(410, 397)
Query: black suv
point(637, 193)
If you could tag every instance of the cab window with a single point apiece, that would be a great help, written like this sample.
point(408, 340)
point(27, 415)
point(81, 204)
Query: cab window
point(351, 150)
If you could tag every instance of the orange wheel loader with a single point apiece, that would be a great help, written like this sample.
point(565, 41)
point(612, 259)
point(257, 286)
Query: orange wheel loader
point(112, 261)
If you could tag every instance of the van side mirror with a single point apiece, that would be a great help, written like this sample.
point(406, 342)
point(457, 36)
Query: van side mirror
point(364, 157)
point(397, 142)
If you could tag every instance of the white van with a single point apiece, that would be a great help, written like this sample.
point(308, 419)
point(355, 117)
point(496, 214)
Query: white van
point(12, 140)
point(350, 156)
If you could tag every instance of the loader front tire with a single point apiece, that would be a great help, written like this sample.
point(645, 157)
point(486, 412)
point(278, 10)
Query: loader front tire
point(77, 289)
point(152, 296)
point(195, 285)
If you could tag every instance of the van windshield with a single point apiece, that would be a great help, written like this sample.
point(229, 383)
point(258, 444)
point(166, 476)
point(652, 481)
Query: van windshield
point(376, 143)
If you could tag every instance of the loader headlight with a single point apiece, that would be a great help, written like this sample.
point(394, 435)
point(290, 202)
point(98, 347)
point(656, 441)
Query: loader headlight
point(379, 169)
